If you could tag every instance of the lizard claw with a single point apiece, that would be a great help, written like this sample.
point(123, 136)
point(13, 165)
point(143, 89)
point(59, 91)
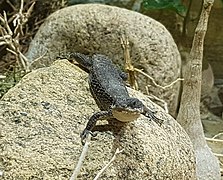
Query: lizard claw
point(84, 135)
point(158, 121)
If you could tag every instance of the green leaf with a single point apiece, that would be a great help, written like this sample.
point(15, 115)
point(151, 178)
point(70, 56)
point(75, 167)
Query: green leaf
point(175, 5)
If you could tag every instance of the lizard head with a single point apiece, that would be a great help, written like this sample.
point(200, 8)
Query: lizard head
point(127, 109)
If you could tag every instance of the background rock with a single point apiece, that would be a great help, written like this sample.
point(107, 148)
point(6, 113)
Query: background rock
point(95, 28)
point(41, 119)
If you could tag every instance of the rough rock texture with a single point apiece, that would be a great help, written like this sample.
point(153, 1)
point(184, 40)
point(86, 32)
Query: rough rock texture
point(41, 119)
point(95, 28)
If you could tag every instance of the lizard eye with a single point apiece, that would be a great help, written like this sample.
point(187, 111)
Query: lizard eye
point(135, 103)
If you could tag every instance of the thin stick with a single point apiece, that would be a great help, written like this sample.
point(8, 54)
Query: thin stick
point(11, 51)
point(2, 77)
point(153, 81)
point(218, 155)
point(214, 140)
point(38, 58)
point(12, 6)
point(24, 61)
point(21, 7)
point(4, 36)
point(128, 63)
point(109, 163)
point(29, 11)
point(219, 134)
point(6, 24)
point(12, 39)
point(2, 43)
point(81, 159)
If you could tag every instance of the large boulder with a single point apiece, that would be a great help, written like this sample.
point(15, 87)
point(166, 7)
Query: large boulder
point(41, 119)
point(94, 28)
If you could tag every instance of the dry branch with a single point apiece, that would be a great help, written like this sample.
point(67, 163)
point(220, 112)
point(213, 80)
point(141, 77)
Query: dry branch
point(154, 82)
point(128, 63)
point(189, 112)
point(217, 135)
point(82, 157)
point(109, 163)
point(11, 38)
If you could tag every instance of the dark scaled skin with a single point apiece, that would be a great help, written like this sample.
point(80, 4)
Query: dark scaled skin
point(108, 88)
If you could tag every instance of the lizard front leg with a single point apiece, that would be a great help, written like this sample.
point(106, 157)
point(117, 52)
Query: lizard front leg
point(92, 122)
point(150, 114)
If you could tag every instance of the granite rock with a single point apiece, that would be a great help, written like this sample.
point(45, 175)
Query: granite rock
point(41, 119)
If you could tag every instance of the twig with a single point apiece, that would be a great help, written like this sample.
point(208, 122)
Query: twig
point(38, 58)
point(218, 155)
point(221, 164)
point(217, 135)
point(10, 4)
point(21, 56)
point(11, 38)
point(214, 140)
point(4, 37)
point(5, 22)
point(11, 51)
point(82, 157)
point(128, 63)
point(153, 81)
point(2, 77)
point(29, 11)
point(109, 163)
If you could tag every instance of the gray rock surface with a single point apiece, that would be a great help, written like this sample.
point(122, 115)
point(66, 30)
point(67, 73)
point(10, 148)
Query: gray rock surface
point(41, 119)
point(94, 28)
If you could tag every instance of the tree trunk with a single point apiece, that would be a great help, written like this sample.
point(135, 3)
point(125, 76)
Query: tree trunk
point(189, 113)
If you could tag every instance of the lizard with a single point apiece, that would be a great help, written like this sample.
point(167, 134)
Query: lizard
point(108, 88)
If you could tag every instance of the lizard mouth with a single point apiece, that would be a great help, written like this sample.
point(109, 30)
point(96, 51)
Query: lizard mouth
point(125, 115)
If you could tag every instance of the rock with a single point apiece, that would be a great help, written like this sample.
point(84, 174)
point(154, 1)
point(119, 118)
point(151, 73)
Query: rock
point(94, 28)
point(41, 119)
point(136, 5)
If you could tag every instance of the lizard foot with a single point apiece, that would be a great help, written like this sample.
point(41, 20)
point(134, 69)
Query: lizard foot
point(150, 115)
point(84, 135)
